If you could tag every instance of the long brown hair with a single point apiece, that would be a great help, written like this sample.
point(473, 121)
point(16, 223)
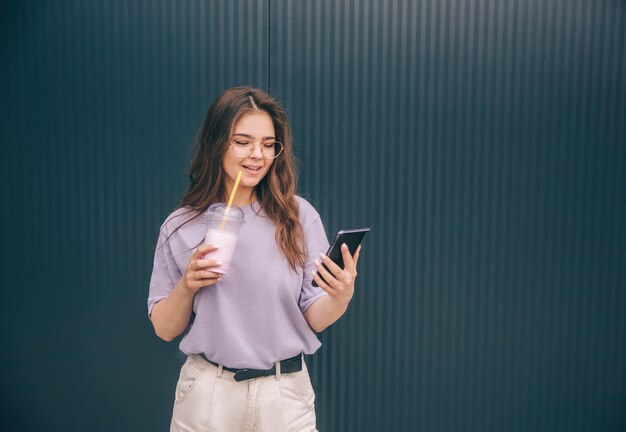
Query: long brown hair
point(275, 192)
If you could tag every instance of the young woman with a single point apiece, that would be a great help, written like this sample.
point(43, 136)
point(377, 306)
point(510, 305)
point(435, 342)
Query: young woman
point(247, 330)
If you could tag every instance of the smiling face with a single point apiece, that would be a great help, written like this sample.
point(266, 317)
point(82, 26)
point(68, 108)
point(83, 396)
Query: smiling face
point(256, 126)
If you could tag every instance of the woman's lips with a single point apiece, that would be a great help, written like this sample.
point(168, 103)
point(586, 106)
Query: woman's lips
point(251, 169)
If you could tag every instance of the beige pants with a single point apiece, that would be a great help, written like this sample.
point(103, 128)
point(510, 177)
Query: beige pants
point(209, 399)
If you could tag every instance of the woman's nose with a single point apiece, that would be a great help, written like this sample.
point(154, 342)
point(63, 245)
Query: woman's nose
point(256, 151)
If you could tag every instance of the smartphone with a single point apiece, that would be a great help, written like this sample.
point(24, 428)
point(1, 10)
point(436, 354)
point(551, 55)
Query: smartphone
point(352, 238)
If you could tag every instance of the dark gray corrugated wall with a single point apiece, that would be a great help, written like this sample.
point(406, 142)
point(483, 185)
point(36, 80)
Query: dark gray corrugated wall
point(100, 104)
point(483, 141)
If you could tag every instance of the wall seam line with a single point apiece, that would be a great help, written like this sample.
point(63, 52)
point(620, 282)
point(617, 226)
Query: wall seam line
point(269, 46)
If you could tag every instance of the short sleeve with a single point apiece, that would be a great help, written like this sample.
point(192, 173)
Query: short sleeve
point(165, 272)
point(316, 243)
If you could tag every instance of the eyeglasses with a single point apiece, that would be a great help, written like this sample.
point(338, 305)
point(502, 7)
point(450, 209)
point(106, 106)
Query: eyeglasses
point(244, 147)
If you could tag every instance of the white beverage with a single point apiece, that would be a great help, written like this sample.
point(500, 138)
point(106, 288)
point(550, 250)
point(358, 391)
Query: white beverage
point(226, 242)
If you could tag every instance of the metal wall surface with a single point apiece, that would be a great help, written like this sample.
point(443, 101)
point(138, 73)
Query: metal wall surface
point(101, 101)
point(483, 142)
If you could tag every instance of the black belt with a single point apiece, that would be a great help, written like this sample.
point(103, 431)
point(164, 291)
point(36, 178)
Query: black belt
point(293, 364)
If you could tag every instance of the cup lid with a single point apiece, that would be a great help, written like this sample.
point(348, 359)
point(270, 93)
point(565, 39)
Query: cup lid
point(218, 210)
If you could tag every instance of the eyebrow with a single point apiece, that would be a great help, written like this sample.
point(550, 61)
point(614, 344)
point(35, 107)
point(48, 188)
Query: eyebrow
point(252, 137)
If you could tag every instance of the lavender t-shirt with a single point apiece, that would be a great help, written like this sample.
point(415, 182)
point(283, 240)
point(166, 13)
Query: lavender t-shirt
point(253, 316)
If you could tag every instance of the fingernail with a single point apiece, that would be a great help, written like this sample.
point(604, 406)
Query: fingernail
point(218, 263)
point(313, 273)
point(322, 256)
point(317, 262)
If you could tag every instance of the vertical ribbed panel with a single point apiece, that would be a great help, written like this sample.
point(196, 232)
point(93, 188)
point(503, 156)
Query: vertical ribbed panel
point(101, 101)
point(483, 142)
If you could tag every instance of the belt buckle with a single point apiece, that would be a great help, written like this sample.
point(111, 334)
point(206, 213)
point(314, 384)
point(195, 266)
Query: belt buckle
point(241, 375)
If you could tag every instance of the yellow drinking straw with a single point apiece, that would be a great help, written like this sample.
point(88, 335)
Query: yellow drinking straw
point(230, 200)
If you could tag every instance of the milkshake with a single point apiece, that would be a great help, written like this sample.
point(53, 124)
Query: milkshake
point(223, 225)
point(226, 243)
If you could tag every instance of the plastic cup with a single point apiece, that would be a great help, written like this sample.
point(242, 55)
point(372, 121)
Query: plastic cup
point(222, 230)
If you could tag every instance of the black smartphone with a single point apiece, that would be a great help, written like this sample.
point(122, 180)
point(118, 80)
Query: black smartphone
point(352, 238)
